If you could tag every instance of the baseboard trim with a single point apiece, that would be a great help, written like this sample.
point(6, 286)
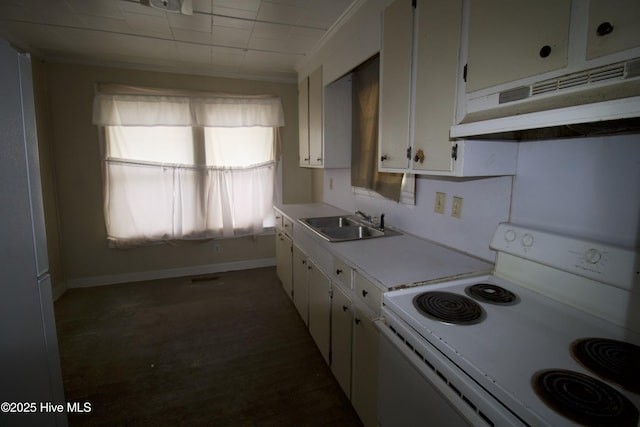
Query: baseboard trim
point(113, 279)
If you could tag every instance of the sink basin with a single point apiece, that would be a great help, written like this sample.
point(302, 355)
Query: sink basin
point(345, 228)
point(329, 221)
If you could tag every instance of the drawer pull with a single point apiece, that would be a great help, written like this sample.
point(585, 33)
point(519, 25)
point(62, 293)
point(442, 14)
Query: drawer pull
point(357, 321)
point(364, 293)
point(345, 308)
point(338, 271)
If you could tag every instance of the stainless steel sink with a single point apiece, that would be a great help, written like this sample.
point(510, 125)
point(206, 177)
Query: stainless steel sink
point(329, 221)
point(345, 228)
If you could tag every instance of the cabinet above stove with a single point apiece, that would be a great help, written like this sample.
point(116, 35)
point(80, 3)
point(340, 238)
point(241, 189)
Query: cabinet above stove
point(531, 71)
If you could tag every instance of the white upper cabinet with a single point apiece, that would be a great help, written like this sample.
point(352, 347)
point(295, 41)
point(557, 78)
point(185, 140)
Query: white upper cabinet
point(509, 40)
point(395, 85)
point(418, 83)
point(310, 119)
point(613, 27)
point(324, 120)
point(578, 58)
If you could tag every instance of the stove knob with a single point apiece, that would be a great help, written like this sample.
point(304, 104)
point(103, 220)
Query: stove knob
point(527, 240)
point(510, 235)
point(593, 256)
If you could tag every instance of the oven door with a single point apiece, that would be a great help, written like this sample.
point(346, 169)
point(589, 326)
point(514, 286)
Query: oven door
point(419, 386)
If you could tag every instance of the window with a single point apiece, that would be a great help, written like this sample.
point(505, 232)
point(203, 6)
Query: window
point(185, 168)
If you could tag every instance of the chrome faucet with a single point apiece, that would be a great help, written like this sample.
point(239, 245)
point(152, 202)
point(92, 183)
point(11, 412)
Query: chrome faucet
point(369, 219)
point(364, 215)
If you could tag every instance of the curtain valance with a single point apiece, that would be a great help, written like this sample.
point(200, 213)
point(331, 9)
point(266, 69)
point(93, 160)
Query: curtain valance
point(216, 110)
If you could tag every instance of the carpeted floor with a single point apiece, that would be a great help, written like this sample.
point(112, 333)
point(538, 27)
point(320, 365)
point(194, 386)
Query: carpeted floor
point(224, 350)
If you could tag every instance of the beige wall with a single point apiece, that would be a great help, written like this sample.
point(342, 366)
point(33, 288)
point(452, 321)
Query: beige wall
point(76, 170)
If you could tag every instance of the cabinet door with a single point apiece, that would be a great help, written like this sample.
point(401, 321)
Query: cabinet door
point(315, 118)
point(300, 287)
point(364, 391)
point(507, 40)
point(395, 85)
point(303, 121)
point(623, 17)
point(319, 308)
point(341, 321)
point(437, 44)
point(284, 261)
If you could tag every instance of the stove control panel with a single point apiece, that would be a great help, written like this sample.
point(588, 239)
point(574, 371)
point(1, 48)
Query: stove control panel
point(616, 266)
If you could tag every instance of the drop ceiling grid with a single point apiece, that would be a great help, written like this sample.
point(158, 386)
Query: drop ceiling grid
point(243, 36)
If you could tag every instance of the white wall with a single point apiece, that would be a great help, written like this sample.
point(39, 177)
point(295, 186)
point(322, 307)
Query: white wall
point(486, 203)
point(588, 187)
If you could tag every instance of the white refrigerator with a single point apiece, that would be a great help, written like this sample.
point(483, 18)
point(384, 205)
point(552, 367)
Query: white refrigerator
point(30, 372)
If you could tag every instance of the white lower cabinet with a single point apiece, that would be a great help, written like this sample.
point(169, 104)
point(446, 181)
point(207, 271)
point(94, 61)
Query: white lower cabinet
point(338, 307)
point(364, 387)
point(319, 308)
point(341, 338)
point(300, 283)
point(284, 261)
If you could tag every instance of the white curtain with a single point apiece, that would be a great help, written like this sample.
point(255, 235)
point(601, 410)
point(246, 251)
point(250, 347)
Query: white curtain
point(187, 167)
point(219, 111)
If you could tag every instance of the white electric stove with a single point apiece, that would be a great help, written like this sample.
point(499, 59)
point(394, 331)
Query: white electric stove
point(551, 338)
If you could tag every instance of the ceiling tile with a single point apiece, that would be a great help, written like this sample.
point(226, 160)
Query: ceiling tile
point(103, 8)
point(230, 36)
point(202, 6)
point(194, 53)
point(197, 37)
point(243, 24)
point(323, 13)
point(196, 22)
point(271, 31)
point(94, 23)
point(147, 24)
point(267, 61)
point(252, 5)
point(280, 13)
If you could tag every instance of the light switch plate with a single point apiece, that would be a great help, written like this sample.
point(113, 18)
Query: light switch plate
point(456, 207)
point(440, 202)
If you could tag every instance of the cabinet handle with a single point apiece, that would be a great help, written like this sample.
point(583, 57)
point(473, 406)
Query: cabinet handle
point(364, 293)
point(338, 271)
point(383, 158)
point(545, 51)
point(604, 29)
point(345, 308)
point(319, 159)
point(304, 261)
point(357, 321)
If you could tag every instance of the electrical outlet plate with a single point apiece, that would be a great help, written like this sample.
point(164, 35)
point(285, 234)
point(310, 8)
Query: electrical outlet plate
point(456, 207)
point(440, 202)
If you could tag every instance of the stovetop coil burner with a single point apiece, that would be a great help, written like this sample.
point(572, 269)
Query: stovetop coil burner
point(493, 294)
point(612, 360)
point(449, 307)
point(584, 399)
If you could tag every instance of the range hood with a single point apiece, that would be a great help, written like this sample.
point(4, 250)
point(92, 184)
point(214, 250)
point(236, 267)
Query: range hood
point(603, 100)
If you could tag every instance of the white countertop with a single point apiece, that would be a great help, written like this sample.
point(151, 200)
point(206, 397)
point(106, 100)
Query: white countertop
point(391, 261)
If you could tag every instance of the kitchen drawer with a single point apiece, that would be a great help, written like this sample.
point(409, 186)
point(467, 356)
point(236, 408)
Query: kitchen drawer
point(342, 272)
point(368, 292)
point(287, 226)
point(279, 219)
